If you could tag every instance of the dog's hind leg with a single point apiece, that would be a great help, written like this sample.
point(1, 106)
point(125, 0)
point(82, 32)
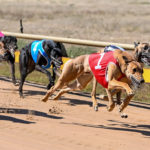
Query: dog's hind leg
point(23, 69)
point(22, 79)
point(93, 95)
point(79, 84)
point(71, 87)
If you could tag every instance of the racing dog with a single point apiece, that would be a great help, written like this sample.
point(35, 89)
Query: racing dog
point(40, 55)
point(8, 54)
point(141, 54)
point(119, 71)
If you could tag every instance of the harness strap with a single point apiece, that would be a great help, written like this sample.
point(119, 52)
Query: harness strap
point(36, 47)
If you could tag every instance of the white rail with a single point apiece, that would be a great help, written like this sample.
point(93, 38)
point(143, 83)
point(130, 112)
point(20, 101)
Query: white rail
point(68, 40)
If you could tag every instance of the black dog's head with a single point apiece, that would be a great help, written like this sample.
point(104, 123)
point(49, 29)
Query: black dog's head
point(56, 57)
point(142, 52)
point(10, 43)
point(55, 50)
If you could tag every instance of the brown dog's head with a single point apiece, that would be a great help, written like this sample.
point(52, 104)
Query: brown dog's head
point(142, 52)
point(3, 52)
point(130, 67)
point(134, 72)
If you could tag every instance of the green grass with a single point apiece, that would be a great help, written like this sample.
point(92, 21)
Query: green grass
point(142, 95)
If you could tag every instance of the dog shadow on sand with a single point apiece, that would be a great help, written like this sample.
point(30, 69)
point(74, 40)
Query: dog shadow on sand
point(23, 112)
point(143, 129)
point(81, 101)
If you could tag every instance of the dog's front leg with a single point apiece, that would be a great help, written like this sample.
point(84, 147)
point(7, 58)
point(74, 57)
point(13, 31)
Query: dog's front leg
point(124, 105)
point(114, 84)
point(12, 68)
point(51, 81)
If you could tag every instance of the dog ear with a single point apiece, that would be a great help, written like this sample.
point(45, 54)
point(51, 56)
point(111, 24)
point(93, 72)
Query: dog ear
point(63, 49)
point(136, 44)
point(125, 59)
point(146, 47)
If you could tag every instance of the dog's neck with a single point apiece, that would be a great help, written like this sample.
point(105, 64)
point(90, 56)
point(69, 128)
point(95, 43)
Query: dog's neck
point(123, 59)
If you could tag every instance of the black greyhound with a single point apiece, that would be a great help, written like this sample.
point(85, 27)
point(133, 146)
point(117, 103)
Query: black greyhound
point(10, 46)
point(40, 55)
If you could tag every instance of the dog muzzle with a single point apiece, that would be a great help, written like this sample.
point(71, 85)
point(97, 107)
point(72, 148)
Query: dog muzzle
point(136, 83)
point(145, 58)
point(57, 62)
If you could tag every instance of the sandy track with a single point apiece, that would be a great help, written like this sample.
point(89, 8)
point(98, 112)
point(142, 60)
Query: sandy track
point(68, 124)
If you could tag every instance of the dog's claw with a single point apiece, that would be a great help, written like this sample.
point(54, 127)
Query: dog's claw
point(130, 93)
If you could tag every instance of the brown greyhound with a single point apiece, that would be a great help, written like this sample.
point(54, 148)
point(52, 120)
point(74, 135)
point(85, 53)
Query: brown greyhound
point(122, 75)
point(141, 54)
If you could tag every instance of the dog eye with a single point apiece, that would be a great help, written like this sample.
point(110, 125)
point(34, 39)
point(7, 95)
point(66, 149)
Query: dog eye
point(145, 47)
point(134, 70)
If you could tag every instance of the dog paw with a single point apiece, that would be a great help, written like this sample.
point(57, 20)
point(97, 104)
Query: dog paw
point(16, 84)
point(21, 95)
point(130, 92)
point(123, 115)
point(95, 108)
point(44, 100)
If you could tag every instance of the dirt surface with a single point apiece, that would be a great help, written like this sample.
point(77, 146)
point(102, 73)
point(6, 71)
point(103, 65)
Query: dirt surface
point(68, 124)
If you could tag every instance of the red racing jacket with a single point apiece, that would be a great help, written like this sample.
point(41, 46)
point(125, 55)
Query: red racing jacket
point(98, 63)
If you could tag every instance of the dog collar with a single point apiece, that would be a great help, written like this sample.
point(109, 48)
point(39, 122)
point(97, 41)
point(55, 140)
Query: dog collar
point(112, 48)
